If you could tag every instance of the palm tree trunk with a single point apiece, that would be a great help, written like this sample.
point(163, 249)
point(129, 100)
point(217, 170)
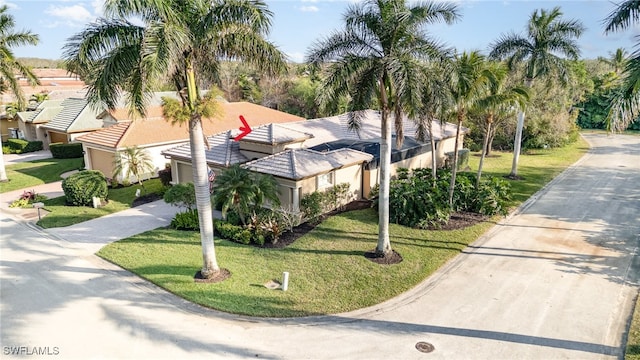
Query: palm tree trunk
point(201, 180)
point(516, 145)
point(384, 244)
point(454, 166)
point(3, 171)
point(518, 140)
point(484, 153)
point(434, 159)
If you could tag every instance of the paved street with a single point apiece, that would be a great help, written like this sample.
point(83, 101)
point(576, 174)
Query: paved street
point(555, 281)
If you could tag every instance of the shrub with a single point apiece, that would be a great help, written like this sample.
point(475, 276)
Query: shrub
point(232, 232)
point(181, 195)
point(82, 187)
point(20, 146)
point(414, 201)
point(311, 206)
point(165, 176)
point(66, 151)
point(186, 220)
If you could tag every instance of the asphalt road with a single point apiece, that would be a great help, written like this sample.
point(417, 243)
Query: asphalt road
point(555, 281)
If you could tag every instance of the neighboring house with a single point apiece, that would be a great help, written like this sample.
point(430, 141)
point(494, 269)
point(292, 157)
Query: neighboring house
point(75, 118)
point(312, 155)
point(30, 123)
point(155, 134)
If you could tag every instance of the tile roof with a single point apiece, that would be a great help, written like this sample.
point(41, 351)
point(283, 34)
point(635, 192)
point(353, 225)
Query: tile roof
point(71, 109)
point(298, 164)
point(336, 128)
point(273, 134)
point(223, 151)
point(109, 136)
point(156, 130)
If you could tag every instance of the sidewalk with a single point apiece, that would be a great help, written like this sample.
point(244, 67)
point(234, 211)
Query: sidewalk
point(10, 159)
point(50, 190)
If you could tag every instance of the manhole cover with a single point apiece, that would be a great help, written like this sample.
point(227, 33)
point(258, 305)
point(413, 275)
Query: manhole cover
point(424, 347)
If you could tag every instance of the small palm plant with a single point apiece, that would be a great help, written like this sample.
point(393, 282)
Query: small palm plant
point(132, 161)
point(243, 191)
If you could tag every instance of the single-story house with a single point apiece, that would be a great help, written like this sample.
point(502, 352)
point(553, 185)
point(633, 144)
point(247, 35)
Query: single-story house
point(311, 155)
point(155, 134)
point(30, 123)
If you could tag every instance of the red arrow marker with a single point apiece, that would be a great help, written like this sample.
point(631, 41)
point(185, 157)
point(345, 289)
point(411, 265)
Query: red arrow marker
point(244, 130)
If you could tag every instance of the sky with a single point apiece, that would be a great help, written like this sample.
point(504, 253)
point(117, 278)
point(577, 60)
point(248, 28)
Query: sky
point(298, 23)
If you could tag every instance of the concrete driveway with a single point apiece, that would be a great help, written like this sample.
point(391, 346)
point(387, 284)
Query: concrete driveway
point(555, 281)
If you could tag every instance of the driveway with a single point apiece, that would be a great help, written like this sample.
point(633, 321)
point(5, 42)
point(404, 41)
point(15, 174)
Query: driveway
point(555, 281)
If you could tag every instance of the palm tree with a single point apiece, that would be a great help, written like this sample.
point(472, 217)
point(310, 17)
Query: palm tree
point(377, 56)
point(498, 100)
point(547, 35)
point(243, 191)
point(624, 107)
point(435, 100)
point(470, 77)
point(616, 60)
point(144, 43)
point(9, 65)
point(132, 161)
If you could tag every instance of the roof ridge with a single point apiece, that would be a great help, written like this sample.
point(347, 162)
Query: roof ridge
point(292, 157)
point(270, 133)
point(227, 149)
point(125, 132)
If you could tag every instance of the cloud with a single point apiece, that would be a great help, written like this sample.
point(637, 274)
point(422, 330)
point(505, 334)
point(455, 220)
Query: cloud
point(296, 56)
point(310, 8)
point(74, 15)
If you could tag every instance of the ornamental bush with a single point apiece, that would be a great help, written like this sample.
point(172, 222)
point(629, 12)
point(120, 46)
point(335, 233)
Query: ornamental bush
point(186, 220)
point(20, 146)
point(181, 195)
point(82, 187)
point(66, 151)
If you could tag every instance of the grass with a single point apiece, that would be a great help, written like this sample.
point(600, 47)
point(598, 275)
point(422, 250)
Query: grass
point(119, 199)
point(329, 273)
point(38, 172)
point(633, 340)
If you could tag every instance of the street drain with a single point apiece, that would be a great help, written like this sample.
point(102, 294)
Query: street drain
point(424, 347)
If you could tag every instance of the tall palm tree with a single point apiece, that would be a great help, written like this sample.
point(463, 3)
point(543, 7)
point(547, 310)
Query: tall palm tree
point(377, 57)
point(547, 35)
point(141, 44)
point(10, 66)
point(470, 78)
point(435, 101)
point(499, 98)
point(626, 106)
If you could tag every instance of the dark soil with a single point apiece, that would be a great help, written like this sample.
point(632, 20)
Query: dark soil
point(222, 275)
point(461, 220)
point(389, 259)
point(513, 177)
point(144, 199)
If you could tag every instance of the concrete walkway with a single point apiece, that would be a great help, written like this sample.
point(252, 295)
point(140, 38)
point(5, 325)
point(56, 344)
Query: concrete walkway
point(18, 158)
point(555, 281)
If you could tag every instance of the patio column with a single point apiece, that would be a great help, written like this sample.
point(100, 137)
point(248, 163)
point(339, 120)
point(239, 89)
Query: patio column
point(295, 198)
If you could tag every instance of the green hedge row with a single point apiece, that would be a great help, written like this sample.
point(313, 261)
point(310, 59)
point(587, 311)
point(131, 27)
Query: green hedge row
point(20, 146)
point(66, 151)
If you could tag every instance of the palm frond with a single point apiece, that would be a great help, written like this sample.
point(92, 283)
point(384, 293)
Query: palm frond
point(625, 14)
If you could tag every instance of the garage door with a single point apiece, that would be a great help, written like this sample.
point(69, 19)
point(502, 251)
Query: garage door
point(101, 160)
point(57, 138)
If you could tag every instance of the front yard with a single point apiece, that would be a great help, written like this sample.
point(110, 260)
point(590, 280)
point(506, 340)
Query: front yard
point(329, 273)
point(32, 173)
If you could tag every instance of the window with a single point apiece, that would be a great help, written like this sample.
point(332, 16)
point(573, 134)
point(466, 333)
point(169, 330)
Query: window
point(325, 180)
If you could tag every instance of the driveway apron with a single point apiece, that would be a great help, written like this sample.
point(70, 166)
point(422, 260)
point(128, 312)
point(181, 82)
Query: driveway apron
point(557, 280)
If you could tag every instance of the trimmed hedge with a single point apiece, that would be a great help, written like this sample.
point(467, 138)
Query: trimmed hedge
point(80, 188)
point(66, 151)
point(20, 146)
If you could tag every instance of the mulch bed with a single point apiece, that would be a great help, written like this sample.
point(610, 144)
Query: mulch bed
point(389, 259)
point(222, 275)
point(144, 199)
point(461, 220)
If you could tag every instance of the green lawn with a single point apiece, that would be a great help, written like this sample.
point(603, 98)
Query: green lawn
point(633, 341)
point(32, 173)
point(329, 273)
point(119, 199)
